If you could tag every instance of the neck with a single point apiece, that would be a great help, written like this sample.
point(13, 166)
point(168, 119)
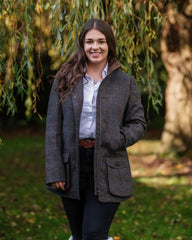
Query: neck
point(95, 70)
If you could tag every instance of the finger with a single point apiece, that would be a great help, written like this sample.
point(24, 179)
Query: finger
point(62, 185)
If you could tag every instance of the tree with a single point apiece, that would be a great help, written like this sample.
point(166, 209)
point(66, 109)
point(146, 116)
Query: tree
point(30, 28)
point(176, 45)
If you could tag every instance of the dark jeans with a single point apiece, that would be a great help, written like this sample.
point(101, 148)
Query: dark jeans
point(89, 218)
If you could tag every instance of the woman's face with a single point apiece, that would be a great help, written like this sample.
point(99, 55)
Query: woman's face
point(95, 47)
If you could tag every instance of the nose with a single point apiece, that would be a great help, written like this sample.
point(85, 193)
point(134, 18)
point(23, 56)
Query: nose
point(95, 45)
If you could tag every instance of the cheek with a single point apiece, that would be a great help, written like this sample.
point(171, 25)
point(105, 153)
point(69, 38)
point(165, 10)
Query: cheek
point(107, 49)
point(86, 48)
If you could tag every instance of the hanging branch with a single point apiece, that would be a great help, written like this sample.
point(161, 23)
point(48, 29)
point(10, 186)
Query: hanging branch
point(30, 28)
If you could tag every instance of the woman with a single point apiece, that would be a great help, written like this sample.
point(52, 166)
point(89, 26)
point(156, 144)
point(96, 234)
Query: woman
point(94, 113)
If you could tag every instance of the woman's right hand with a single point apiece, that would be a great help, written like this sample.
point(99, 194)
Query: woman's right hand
point(60, 185)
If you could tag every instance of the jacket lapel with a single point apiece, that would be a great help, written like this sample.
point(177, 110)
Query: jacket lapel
point(77, 99)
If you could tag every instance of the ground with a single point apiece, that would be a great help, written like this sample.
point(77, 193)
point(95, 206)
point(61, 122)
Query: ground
point(160, 208)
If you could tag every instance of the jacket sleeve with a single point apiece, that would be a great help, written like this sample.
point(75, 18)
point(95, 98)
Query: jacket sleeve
point(54, 165)
point(134, 124)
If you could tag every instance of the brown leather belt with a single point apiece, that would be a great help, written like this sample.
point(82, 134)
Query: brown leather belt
point(87, 143)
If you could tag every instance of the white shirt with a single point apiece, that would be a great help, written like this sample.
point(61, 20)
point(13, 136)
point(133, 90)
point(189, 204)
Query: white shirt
point(88, 114)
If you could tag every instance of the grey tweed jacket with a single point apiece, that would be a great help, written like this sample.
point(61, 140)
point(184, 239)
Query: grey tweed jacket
point(120, 123)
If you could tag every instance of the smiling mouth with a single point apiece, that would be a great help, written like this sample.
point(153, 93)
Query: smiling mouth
point(95, 54)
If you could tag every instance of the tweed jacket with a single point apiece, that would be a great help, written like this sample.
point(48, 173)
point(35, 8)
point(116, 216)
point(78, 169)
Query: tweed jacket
point(120, 123)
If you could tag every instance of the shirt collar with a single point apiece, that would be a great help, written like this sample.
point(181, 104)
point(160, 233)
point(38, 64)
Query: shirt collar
point(105, 71)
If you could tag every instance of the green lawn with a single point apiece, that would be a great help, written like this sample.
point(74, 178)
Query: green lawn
point(160, 209)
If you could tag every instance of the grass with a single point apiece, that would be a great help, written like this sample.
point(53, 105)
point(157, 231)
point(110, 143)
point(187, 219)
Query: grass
point(160, 209)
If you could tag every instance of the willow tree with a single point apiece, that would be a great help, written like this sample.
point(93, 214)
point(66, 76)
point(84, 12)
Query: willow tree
point(176, 45)
point(30, 28)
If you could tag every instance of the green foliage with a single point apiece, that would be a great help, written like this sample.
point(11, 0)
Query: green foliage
point(31, 28)
point(161, 207)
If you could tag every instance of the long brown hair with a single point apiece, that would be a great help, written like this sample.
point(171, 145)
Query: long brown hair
point(74, 69)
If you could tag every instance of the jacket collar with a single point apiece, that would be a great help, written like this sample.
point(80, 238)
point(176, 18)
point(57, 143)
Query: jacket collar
point(113, 66)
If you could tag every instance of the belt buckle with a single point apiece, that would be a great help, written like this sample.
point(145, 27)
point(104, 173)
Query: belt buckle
point(85, 143)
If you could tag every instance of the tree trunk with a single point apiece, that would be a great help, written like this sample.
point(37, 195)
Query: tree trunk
point(176, 45)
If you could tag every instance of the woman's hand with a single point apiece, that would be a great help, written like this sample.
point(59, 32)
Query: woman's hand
point(60, 185)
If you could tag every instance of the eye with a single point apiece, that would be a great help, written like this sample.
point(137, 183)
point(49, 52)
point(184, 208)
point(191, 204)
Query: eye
point(102, 41)
point(88, 41)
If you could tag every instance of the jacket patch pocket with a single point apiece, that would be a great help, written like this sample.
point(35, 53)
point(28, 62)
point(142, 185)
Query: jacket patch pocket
point(119, 177)
point(67, 170)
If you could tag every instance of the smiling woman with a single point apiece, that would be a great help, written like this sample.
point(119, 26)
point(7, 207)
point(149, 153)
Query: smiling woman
point(94, 113)
point(96, 48)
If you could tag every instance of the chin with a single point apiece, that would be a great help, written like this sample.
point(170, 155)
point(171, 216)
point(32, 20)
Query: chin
point(96, 60)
